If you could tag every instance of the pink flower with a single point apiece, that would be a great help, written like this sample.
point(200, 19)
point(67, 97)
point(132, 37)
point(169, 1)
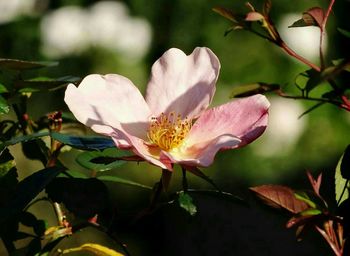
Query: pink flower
point(172, 124)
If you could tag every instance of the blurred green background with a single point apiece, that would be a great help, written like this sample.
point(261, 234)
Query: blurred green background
point(126, 37)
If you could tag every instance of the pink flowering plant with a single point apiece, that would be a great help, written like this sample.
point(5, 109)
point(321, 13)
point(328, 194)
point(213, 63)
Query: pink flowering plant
point(100, 127)
point(172, 124)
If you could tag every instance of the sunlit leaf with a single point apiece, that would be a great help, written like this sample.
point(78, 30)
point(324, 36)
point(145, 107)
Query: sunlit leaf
point(23, 64)
point(105, 160)
point(4, 107)
point(305, 198)
point(186, 202)
point(252, 89)
point(84, 142)
point(96, 249)
point(280, 197)
point(122, 181)
point(345, 164)
point(341, 184)
point(344, 32)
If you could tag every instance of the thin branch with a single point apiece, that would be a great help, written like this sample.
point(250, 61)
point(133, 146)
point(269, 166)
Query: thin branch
point(329, 9)
point(336, 103)
point(292, 53)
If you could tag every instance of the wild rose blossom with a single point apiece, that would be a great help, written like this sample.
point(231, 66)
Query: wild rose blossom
point(172, 124)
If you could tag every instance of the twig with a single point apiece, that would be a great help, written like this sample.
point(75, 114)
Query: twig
point(292, 53)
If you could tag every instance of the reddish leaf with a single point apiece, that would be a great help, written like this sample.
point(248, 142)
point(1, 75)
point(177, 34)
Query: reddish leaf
point(312, 17)
point(316, 184)
point(317, 14)
point(297, 221)
point(280, 197)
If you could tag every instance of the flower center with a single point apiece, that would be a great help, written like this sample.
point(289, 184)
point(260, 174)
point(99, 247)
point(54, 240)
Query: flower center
point(168, 131)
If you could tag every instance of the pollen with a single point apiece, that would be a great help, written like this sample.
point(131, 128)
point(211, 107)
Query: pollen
point(168, 131)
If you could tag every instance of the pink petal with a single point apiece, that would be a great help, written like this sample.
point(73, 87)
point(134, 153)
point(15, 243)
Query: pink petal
point(108, 104)
point(203, 154)
point(183, 84)
point(231, 125)
point(150, 154)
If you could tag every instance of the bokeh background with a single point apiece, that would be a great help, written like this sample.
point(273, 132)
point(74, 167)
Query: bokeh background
point(126, 37)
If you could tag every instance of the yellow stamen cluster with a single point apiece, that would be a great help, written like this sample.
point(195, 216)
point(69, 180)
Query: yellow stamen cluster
point(168, 131)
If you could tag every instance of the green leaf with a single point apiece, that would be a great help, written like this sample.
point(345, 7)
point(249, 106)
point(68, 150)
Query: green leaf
point(28, 189)
point(305, 198)
point(24, 65)
point(344, 32)
point(84, 142)
point(4, 107)
point(96, 249)
point(345, 164)
point(311, 212)
point(6, 165)
point(28, 90)
point(345, 64)
point(24, 138)
point(73, 174)
point(45, 83)
point(252, 89)
point(3, 88)
point(186, 202)
point(341, 184)
point(122, 181)
point(104, 160)
point(8, 178)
